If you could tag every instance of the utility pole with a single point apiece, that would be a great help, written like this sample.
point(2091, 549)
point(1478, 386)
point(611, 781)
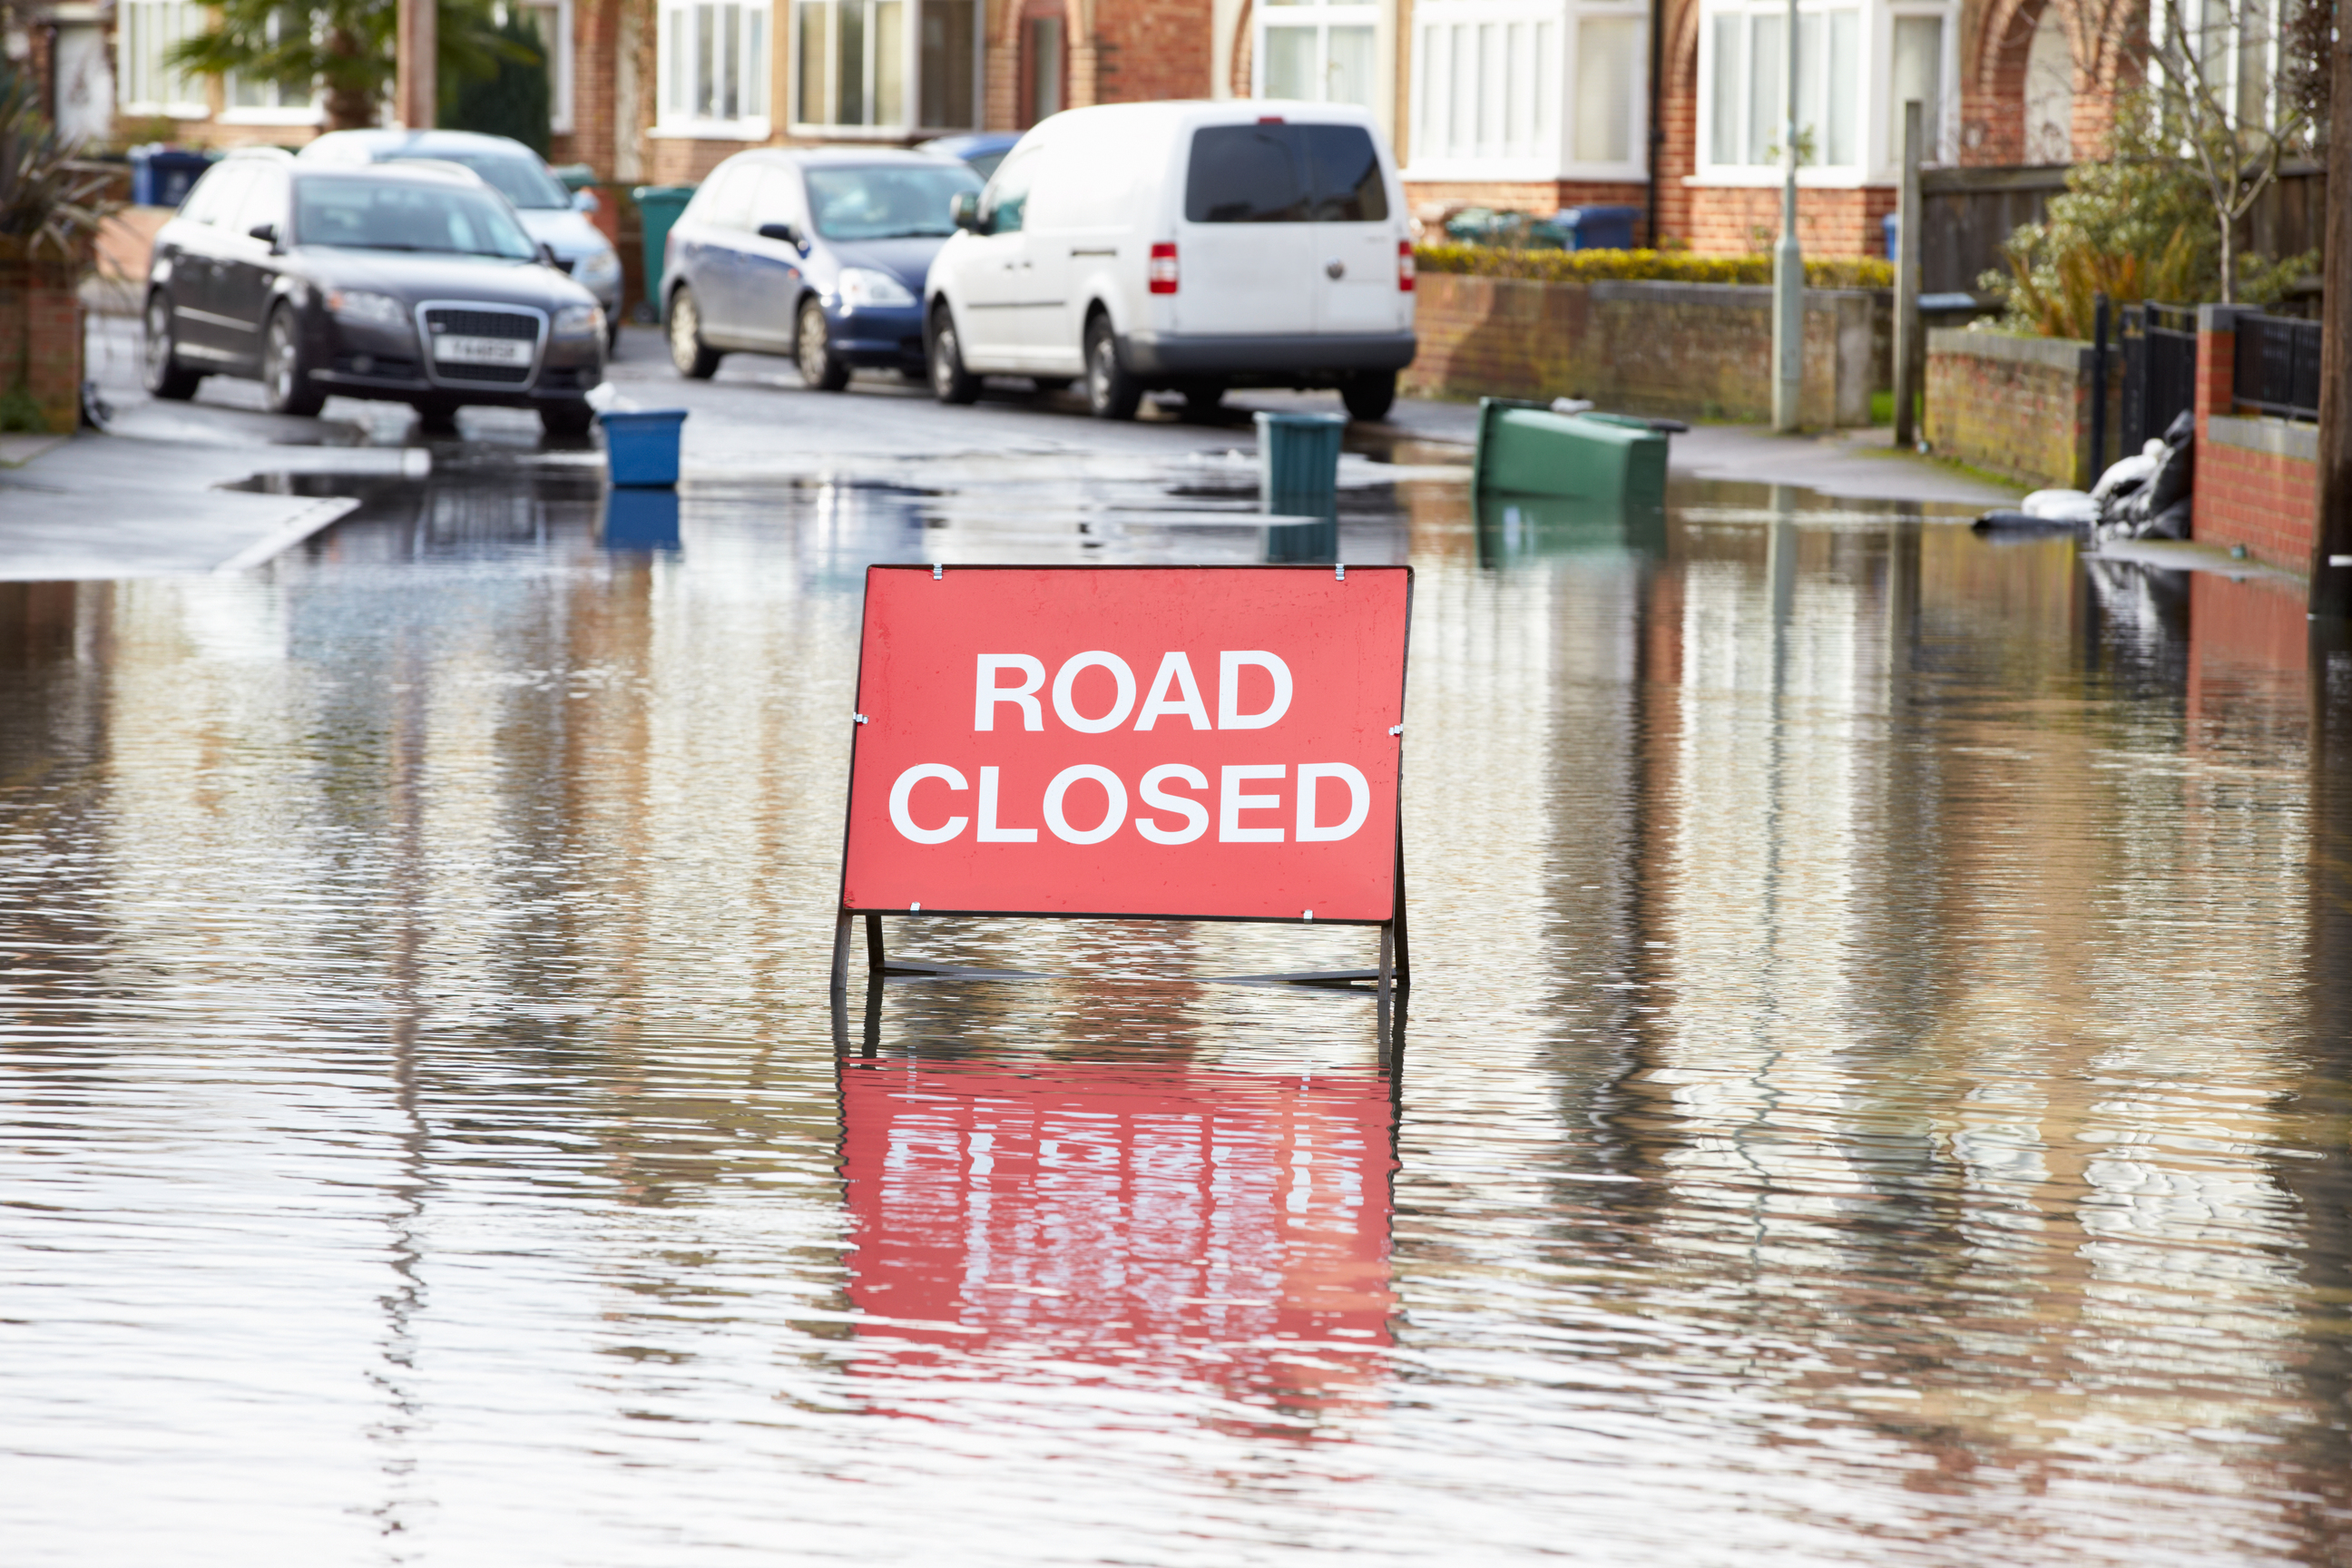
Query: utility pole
point(2331, 545)
point(415, 94)
point(1906, 284)
point(1788, 261)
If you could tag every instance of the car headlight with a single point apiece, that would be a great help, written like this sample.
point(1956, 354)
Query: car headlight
point(367, 307)
point(580, 322)
point(597, 267)
point(862, 288)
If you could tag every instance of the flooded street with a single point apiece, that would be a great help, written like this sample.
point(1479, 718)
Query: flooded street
point(1875, 1087)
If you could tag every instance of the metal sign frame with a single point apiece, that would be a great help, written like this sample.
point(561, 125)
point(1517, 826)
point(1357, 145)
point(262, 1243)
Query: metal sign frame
point(1393, 972)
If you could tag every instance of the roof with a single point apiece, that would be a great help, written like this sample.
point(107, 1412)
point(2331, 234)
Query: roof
point(386, 144)
point(409, 170)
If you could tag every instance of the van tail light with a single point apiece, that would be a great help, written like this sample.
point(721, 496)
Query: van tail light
point(1404, 267)
point(1162, 270)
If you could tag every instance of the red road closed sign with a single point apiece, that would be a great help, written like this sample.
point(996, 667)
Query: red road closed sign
point(1173, 741)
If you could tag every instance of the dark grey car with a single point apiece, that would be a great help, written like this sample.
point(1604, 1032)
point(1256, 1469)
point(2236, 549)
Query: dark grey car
point(410, 283)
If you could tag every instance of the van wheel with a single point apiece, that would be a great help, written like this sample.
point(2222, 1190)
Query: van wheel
point(821, 370)
point(1369, 394)
point(1111, 392)
point(950, 383)
point(692, 357)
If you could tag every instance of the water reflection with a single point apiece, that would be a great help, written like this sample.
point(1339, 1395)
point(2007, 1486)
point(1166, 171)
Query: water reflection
point(1140, 1221)
point(1878, 1093)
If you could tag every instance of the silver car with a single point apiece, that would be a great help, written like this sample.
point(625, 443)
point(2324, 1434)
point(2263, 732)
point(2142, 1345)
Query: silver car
point(550, 215)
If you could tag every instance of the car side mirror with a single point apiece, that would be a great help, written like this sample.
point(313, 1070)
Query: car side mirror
point(586, 202)
point(963, 210)
point(265, 232)
point(547, 256)
point(783, 233)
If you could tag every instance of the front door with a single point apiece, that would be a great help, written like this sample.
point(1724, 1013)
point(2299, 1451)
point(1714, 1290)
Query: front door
point(997, 268)
point(198, 283)
point(1244, 249)
point(248, 267)
point(767, 281)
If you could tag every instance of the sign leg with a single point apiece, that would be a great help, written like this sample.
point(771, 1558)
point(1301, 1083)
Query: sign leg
point(841, 953)
point(1403, 953)
point(874, 944)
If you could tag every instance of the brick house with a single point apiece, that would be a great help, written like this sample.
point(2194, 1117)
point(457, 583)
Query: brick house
point(1535, 104)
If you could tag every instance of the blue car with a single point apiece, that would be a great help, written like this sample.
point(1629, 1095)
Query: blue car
point(818, 253)
point(984, 150)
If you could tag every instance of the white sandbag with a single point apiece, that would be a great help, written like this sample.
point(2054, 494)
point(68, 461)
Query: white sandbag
point(2061, 506)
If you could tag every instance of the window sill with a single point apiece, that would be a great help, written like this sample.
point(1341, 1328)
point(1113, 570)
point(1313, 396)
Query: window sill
point(170, 110)
point(711, 131)
point(308, 115)
point(1768, 179)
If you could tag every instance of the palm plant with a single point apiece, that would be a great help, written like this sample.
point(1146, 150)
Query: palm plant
point(51, 204)
point(344, 48)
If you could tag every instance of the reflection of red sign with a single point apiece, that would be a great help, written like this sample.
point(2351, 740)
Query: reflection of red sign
point(1092, 1210)
point(1140, 741)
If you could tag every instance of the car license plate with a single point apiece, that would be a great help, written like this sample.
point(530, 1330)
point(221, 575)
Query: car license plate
point(448, 346)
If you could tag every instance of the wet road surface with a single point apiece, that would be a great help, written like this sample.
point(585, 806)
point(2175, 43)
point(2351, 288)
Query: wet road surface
point(1874, 1088)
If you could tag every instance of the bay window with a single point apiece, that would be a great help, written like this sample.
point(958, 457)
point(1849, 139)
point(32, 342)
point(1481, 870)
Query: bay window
point(1529, 90)
point(1856, 67)
point(263, 100)
point(888, 65)
point(553, 19)
point(1324, 52)
point(145, 33)
point(714, 68)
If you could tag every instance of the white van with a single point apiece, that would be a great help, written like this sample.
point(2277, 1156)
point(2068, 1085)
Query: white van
point(1187, 245)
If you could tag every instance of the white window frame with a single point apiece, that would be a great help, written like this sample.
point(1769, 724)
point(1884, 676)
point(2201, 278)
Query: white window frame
point(279, 113)
point(191, 17)
point(1318, 16)
point(673, 119)
point(910, 65)
point(1553, 42)
point(559, 62)
point(1875, 69)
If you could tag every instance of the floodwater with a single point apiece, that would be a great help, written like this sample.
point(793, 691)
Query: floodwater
point(1874, 1087)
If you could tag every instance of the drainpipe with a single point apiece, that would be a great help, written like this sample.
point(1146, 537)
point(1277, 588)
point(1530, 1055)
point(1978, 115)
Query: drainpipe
point(1657, 114)
point(1788, 262)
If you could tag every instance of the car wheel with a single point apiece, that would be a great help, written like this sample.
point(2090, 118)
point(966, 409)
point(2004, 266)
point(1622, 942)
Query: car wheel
point(1111, 392)
point(163, 374)
point(821, 368)
point(286, 385)
point(572, 418)
point(950, 383)
point(694, 359)
point(1369, 394)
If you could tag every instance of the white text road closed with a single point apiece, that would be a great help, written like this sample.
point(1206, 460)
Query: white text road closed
point(1170, 742)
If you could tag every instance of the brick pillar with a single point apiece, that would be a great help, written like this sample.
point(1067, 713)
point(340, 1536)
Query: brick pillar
point(2217, 372)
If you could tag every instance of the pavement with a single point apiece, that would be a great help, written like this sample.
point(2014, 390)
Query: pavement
point(219, 484)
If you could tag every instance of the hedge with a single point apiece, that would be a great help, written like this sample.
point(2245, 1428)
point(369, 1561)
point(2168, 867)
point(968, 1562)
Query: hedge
point(1656, 266)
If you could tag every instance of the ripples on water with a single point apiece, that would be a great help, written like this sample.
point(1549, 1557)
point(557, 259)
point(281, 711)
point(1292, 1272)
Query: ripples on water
point(1874, 1088)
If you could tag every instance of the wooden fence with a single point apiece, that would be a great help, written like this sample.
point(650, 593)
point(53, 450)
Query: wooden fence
point(1968, 213)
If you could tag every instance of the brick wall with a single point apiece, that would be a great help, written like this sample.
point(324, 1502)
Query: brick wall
point(2019, 406)
point(1687, 349)
point(2257, 479)
point(41, 329)
point(1150, 49)
point(1727, 220)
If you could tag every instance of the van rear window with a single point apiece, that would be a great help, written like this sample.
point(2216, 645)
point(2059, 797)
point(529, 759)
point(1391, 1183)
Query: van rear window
point(1285, 174)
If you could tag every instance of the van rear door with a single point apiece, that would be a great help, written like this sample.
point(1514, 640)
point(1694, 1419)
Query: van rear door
point(1246, 263)
point(1355, 240)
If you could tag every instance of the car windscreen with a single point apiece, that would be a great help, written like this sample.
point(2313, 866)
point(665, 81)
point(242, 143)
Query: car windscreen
point(387, 215)
point(1276, 173)
point(522, 181)
point(885, 201)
